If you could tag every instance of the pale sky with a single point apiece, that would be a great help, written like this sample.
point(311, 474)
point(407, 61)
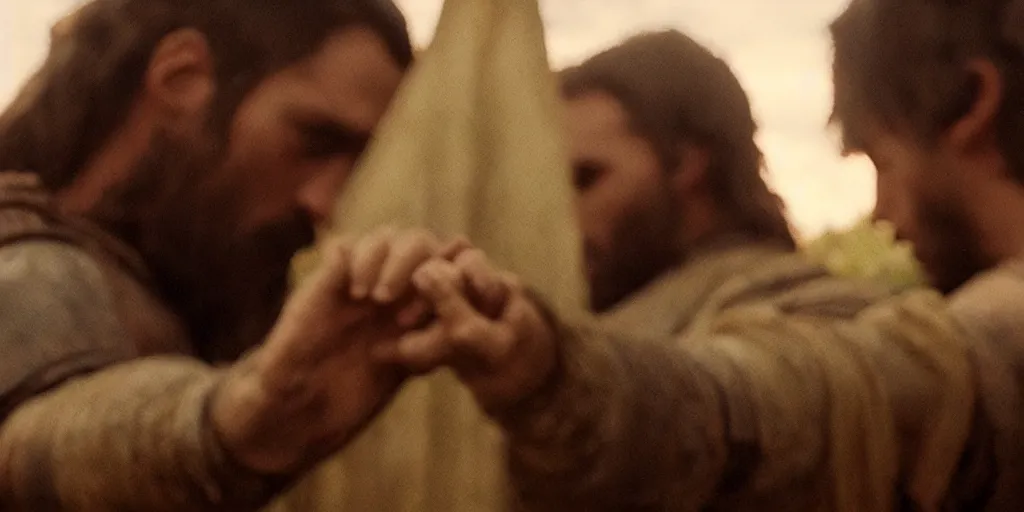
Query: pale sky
point(779, 50)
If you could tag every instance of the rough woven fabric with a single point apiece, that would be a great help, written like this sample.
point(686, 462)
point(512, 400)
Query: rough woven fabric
point(759, 408)
point(90, 418)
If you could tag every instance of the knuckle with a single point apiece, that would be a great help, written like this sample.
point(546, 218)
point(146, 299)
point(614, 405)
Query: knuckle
point(338, 244)
point(469, 331)
point(377, 235)
point(446, 269)
point(419, 239)
point(471, 258)
point(367, 244)
point(461, 242)
point(512, 282)
point(428, 268)
point(505, 341)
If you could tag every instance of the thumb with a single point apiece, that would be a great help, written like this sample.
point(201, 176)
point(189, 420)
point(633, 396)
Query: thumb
point(443, 285)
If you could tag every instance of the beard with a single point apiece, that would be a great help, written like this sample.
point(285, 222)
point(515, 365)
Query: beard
point(179, 211)
point(948, 249)
point(643, 246)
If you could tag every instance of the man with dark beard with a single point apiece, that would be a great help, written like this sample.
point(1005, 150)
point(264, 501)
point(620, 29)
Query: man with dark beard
point(173, 155)
point(677, 219)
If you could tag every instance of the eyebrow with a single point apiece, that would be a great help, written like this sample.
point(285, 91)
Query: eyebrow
point(327, 128)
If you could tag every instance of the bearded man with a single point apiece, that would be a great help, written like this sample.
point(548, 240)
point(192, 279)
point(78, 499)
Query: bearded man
point(677, 220)
point(166, 162)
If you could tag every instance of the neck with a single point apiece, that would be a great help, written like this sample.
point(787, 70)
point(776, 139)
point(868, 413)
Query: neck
point(706, 228)
point(996, 215)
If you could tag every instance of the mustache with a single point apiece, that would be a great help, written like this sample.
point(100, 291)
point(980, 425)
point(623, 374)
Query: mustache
point(281, 240)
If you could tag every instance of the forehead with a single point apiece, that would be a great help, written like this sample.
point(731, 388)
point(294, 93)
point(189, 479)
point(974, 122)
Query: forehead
point(352, 78)
point(596, 118)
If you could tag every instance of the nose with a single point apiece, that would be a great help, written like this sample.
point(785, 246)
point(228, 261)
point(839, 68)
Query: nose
point(318, 196)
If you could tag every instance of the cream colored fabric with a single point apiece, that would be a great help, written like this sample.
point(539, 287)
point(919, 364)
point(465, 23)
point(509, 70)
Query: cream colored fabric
point(472, 146)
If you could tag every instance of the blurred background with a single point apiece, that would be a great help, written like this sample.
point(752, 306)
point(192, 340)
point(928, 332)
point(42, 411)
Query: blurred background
point(780, 50)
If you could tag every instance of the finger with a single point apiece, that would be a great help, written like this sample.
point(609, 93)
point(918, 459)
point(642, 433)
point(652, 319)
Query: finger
point(386, 352)
point(418, 351)
point(454, 247)
point(512, 284)
point(335, 262)
point(487, 287)
point(470, 335)
point(368, 256)
point(442, 284)
point(480, 340)
point(491, 341)
point(414, 313)
point(407, 253)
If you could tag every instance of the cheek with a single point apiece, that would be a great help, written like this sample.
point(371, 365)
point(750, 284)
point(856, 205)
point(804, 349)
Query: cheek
point(601, 209)
point(608, 209)
point(263, 171)
point(595, 216)
point(895, 201)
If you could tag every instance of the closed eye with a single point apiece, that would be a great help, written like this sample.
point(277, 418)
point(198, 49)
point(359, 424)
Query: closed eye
point(327, 139)
point(586, 175)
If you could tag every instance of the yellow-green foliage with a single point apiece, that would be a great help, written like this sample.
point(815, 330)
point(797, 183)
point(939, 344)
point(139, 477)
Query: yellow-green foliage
point(869, 251)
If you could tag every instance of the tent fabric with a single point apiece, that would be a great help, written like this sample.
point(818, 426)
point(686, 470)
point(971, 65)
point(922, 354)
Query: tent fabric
point(473, 146)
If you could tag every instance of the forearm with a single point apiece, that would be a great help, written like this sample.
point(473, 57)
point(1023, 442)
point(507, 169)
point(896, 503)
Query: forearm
point(770, 412)
point(131, 437)
point(624, 425)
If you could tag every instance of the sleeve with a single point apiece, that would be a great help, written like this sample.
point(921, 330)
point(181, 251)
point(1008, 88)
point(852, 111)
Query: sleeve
point(990, 307)
point(58, 320)
point(88, 428)
point(766, 411)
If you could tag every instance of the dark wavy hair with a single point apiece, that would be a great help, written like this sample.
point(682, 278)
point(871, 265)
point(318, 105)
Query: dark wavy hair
point(674, 89)
point(903, 65)
point(97, 60)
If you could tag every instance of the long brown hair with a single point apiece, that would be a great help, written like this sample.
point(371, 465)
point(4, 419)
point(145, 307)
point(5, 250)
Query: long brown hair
point(674, 90)
point(87, 84)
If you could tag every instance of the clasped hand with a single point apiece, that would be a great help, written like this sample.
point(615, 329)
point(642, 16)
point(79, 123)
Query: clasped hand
point(378, 310)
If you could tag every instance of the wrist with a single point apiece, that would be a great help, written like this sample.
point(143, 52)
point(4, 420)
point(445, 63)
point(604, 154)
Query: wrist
point(246, 421)
point(542, 366)
point(227, 465)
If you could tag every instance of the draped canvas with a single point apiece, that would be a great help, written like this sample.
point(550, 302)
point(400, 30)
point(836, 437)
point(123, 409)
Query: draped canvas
point(472, 145)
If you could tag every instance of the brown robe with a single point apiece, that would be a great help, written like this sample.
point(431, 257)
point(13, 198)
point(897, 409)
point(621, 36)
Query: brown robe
point(102, 406)
point(910, 403)
point(736, 271)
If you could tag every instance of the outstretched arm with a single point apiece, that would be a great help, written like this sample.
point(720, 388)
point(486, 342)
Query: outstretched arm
point(768, 411)
point(84, 428)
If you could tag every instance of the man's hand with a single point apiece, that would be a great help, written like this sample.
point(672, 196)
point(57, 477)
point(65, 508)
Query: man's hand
point(486, 328)
point(314, 383)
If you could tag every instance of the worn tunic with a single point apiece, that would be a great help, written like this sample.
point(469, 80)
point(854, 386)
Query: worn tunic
point(102, 406)
point(734, 271)
point(908, 403)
